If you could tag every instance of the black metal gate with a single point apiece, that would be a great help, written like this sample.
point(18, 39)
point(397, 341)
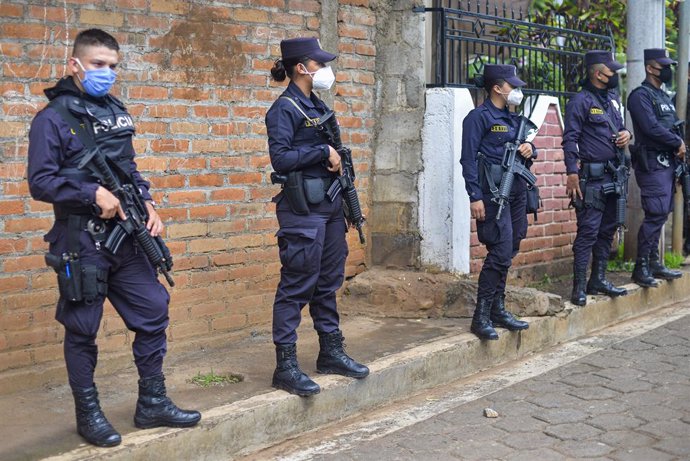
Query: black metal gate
point(547, 56)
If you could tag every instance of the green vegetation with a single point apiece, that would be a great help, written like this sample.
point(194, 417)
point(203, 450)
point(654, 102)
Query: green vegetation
point(673, 260)
point(212, 379)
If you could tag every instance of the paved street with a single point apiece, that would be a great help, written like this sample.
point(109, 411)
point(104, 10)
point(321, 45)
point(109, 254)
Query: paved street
point(630, 400)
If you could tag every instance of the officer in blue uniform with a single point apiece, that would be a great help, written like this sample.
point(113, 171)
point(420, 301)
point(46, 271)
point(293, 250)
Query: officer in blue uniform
point(593, 139)
point(654, 159)
point(486, 130)
point(311, 238)
point(84, 212)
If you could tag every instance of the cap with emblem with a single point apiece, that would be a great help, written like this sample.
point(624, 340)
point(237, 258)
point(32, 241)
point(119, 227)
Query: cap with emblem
point(493, 72)
point(659, 55)
point(602, 57)
point(309, 47)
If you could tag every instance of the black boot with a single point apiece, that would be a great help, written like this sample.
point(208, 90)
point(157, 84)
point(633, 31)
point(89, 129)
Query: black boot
point(91, 422)
point(659, 270)
point(288, 376)
point(500, 317)
point(333, 359)
point(155, 409)
point(641, 274)
point(481, 323)
point(598, 284)
point(578, 296)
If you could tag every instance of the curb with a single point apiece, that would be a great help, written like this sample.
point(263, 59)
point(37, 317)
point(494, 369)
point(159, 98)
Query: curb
point(246, 426)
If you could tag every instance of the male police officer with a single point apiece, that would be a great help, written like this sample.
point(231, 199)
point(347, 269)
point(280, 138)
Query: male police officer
point(653, 115)
point(594, 134)
point(84, 210)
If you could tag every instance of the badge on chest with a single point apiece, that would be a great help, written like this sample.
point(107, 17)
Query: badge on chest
point(499, 129)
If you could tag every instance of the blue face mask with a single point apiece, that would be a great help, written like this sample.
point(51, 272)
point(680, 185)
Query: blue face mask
point(97, 82)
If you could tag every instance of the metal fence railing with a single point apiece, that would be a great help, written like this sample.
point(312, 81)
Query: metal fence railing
point(547, 56)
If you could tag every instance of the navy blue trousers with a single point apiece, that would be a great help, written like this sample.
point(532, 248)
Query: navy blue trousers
point(656, 194)
point(595, 228)
point(135, 292)
point(502, 239)
point(312, 252)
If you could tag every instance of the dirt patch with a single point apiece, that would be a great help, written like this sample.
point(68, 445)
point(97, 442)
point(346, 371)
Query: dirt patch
point(204, 48)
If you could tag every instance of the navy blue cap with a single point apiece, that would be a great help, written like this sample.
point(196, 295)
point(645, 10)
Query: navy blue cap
point(309, 47)
point(602, 57)
point(493, 72)
point(659, 55)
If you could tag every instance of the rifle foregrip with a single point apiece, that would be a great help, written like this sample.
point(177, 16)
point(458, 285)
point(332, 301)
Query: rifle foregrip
point(621, 204)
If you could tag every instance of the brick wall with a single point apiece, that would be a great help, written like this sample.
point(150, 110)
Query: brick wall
point(196, 80)
point(551, 236)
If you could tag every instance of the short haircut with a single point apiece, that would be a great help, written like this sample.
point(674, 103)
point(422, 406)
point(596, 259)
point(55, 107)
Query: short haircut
point(94, 37)
point(594, 68)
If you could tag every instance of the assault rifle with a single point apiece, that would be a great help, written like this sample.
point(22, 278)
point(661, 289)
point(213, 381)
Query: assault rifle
point(619, 187)
point(133, 205)
point(514, 164)
point(683, 169)
point(345, 183)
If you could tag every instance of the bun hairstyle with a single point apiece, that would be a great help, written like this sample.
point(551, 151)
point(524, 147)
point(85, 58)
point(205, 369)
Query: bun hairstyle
point(286, 68)
point(278, 71)
point(481, 82)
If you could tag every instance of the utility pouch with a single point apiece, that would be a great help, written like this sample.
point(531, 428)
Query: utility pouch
point(533, 200)
point(595, 198)
point(68, 271)
point(638, 155)
point(294, 192)
point(594, 170)
point(94, 283)
point(314, 190)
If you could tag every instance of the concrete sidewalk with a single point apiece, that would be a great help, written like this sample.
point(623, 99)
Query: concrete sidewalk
point(405, 357)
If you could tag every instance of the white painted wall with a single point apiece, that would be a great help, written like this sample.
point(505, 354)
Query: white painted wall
point(444, 207)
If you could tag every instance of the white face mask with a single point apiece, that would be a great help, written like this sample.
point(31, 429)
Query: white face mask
point(514, 97)
point(323, 78)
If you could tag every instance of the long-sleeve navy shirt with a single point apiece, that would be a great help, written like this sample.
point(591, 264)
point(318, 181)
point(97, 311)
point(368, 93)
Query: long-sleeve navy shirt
point(648, 131)
point(485, 129)
point(53, 146)
point(587, 135)
point(294, 143)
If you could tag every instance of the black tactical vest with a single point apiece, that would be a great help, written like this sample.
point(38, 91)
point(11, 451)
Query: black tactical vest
point(663, 107)
point(111, 127)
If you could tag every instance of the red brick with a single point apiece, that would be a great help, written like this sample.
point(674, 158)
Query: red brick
point(211, 211)
point(245, 178)
point(186, 197)
point(167, 111)
point(7, 10)
point(190, 93)
point(14, 359)
point(27, 224)
point(169, 145)
point(147, 92)
point(211, 111)
point(187, 163)
point(208, 180)
point(167, 181)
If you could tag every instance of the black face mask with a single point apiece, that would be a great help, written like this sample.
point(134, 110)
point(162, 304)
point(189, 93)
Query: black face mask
point(666, 74)
point(613, 82)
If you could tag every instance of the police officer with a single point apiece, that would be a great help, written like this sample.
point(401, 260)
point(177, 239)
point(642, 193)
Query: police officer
point(84, 212)
point(311, 238)
point(654, 159)
point(486, 130)
point(594, 137)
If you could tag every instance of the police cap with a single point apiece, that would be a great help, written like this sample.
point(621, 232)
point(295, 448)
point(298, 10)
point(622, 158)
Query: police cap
point(304, 47)
point(602, 57)
point(493, 72)
point(659, 55)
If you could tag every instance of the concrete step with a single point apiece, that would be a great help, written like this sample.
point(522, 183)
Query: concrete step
point(436, 352)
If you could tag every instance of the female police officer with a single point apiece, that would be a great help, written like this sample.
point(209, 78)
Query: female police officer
point(311, 238)
point(486, 129)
